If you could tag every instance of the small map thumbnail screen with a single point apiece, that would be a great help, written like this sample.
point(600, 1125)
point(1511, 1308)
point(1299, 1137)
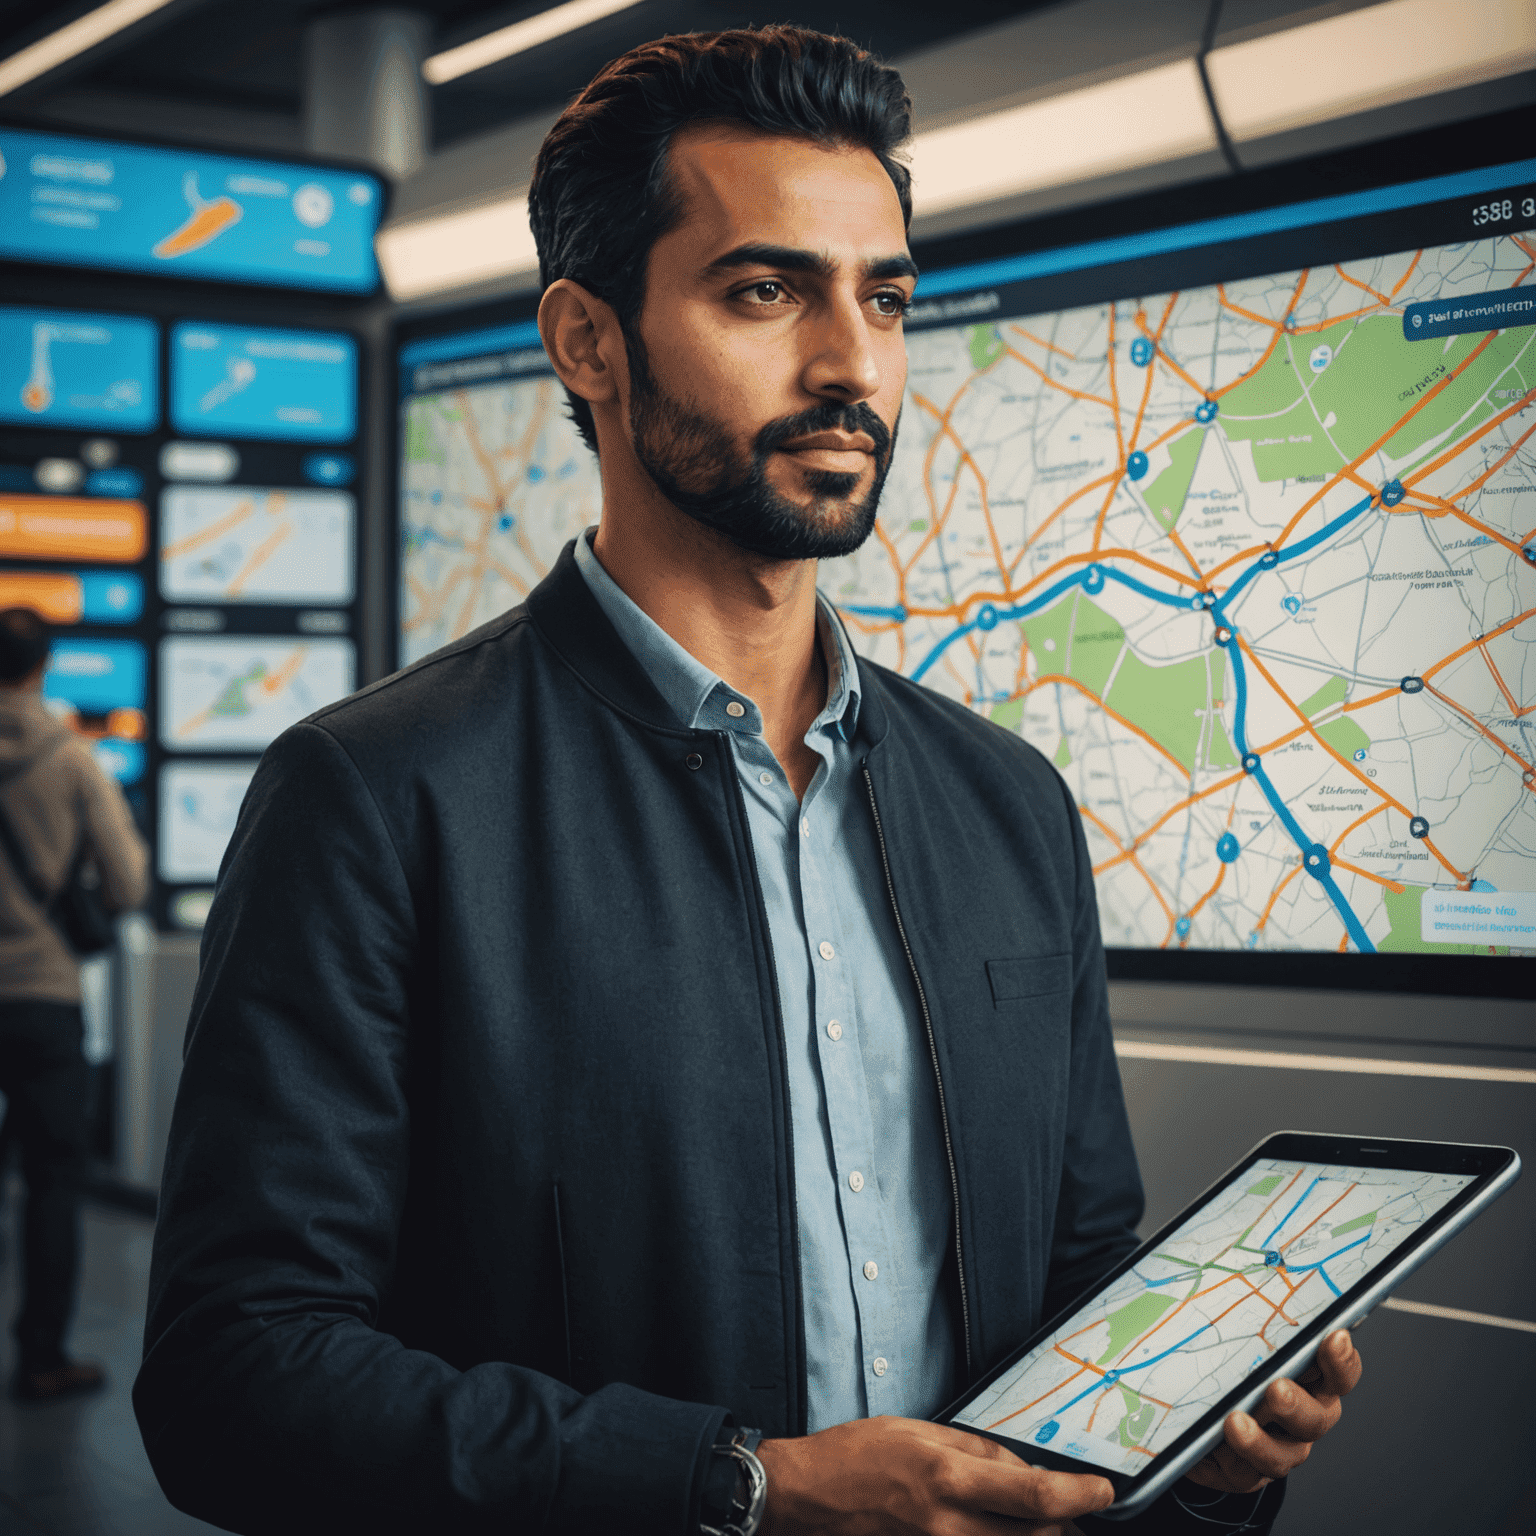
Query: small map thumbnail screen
point(239, 544)
point(1127, 1374)
point(199, 803)
point(239, 693)
point(1234, 521)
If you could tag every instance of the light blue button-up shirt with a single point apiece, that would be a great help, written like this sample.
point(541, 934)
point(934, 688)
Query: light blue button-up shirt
point(871, 1177)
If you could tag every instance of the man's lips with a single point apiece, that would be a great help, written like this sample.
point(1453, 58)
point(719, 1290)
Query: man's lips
point(838, 452)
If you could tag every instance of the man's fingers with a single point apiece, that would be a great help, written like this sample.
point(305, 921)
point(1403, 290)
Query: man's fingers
point(1267, 1455)
point(1341, 1364)
point(1022, 1492)
point(1302, 1415)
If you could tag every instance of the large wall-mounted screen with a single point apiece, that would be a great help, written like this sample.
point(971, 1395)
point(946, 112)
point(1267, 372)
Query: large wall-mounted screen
point(182, 214)
point(1234, 520)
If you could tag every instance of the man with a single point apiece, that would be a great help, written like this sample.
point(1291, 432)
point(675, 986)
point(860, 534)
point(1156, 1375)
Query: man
point(56, 805)
point(642, 1019)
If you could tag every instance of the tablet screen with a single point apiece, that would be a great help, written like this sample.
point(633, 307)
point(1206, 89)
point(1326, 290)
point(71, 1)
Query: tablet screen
point(1131, 1370)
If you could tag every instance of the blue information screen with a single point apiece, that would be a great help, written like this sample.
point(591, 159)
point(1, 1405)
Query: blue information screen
point(236, 381)
point(63, 369)
point(85, 202)
point(95, 676)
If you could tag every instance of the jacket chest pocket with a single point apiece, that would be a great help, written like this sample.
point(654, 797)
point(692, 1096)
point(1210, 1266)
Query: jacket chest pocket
point(1041, 982)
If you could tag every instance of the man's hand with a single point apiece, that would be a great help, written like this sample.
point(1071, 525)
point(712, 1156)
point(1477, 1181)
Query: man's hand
point(902, 1477)
point(1278, 1437)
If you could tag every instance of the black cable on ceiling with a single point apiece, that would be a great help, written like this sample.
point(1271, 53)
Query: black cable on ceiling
point(1207, 40)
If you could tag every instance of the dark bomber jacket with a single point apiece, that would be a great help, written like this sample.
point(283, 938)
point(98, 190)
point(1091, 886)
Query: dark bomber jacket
point(478, 1208)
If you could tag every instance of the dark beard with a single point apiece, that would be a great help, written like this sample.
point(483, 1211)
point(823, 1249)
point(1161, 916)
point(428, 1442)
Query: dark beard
point(696, 467)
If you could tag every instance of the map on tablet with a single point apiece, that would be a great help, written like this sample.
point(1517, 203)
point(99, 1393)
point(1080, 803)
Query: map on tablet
point(1135, 1367)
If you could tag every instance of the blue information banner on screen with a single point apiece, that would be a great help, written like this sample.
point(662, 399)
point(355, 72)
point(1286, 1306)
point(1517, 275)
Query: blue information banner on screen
point(93, 203)
point(233, 380)
point(96, 676)
point(59, 368)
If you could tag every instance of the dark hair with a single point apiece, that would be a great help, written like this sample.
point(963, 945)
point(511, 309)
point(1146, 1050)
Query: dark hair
point(600, 197)
point(23, 644)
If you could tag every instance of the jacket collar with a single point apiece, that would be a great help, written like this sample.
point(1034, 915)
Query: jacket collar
point(570, 618)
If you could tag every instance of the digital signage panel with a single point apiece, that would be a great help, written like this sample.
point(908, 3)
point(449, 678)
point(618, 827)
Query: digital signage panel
point(238, 381)
point(59, 368)
point(183, 214)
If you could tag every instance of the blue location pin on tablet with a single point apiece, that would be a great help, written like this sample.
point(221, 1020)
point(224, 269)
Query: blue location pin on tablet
point(1226, 848)
point(1141, 351)
point(1205, 412)
point(1136, 465)
point(1392, 493)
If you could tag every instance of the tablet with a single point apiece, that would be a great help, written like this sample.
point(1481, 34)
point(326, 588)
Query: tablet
point(1306, 1234)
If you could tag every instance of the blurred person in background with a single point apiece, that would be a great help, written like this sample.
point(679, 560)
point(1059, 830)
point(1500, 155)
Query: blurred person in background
point(59, 808)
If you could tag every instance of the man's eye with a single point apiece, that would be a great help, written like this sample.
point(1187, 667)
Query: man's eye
point(766, 293)
point(891, 304)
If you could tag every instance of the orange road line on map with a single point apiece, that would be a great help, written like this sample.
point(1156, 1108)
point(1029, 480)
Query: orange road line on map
point(1287, 1243)
point(1100, 823)
point(1114, 389)
point(259, 557)
point(1322, 325)
point(1098, 524)
point(1387, 436)
point(275, 682)
point(1472, 437)
point(1274, 896)
point(1174, 368)
point(939, 521)
point(1072, 682)
point(508, 575)
point(1375, 698)
point(1365, 874)
point(1397, 287)
point(1472, 645)
point(1162, 325)
point(1516, 709)
point(1040, 341)
point(1354, 282)
point(213, 531)
point(1059, 1385)
point(1141, 410)
point(1343, 950)
point(1194, 911)
point(1472, 720)
point(1066, 389)
point(1247, 314)
point(1358, 821)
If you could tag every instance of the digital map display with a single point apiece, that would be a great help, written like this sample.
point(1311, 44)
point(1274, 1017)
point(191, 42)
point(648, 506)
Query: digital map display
point(1254, 564)
point(494, 482)
point(238, 693)
point(59, 368)
point(236, 544)
point(1136, 1367)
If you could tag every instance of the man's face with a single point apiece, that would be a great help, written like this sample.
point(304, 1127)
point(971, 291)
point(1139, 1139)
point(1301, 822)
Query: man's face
point(767, 373)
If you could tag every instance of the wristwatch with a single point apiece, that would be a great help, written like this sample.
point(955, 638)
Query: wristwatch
point(735, 1487)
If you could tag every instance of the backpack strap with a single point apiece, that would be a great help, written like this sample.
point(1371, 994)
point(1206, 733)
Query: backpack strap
point(10, 844)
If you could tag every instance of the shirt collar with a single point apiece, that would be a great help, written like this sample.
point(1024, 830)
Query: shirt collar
point(701, 699)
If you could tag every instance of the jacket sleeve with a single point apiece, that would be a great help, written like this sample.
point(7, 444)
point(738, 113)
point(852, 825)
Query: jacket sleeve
point(111, 837)
point(270, 1399)
point(1100, 1199)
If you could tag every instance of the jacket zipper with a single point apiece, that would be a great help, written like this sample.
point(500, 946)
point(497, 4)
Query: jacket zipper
point(803, 1384)
point(933, 1056)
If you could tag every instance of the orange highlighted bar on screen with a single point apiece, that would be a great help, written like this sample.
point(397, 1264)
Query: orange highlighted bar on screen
point(58, 599)
point(72, 528)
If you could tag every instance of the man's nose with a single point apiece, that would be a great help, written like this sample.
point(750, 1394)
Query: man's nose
point(842, 364)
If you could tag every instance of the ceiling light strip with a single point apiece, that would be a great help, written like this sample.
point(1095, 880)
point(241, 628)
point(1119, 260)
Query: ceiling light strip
point(1458, 1315)
point(518, 38)
point(70, 41)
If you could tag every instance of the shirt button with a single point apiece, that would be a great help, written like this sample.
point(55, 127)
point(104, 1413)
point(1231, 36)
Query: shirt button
point(856, 1183)
point(735, 709)
point(835, 1030)
point(871, 1270)
point(879, 1365)
point(825, 950)
point(765, 778)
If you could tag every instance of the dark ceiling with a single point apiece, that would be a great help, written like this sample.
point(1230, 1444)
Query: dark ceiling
point(246, 56)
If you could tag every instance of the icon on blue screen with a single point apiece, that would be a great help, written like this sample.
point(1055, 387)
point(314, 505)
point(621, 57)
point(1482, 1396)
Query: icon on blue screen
point(236, 381)
point(59, 368)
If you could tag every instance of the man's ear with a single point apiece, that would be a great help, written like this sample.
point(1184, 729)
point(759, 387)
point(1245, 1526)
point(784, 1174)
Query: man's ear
point(585, 343)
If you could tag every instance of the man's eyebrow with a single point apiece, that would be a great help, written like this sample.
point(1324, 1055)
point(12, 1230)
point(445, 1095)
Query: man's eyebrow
point(789, 258)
